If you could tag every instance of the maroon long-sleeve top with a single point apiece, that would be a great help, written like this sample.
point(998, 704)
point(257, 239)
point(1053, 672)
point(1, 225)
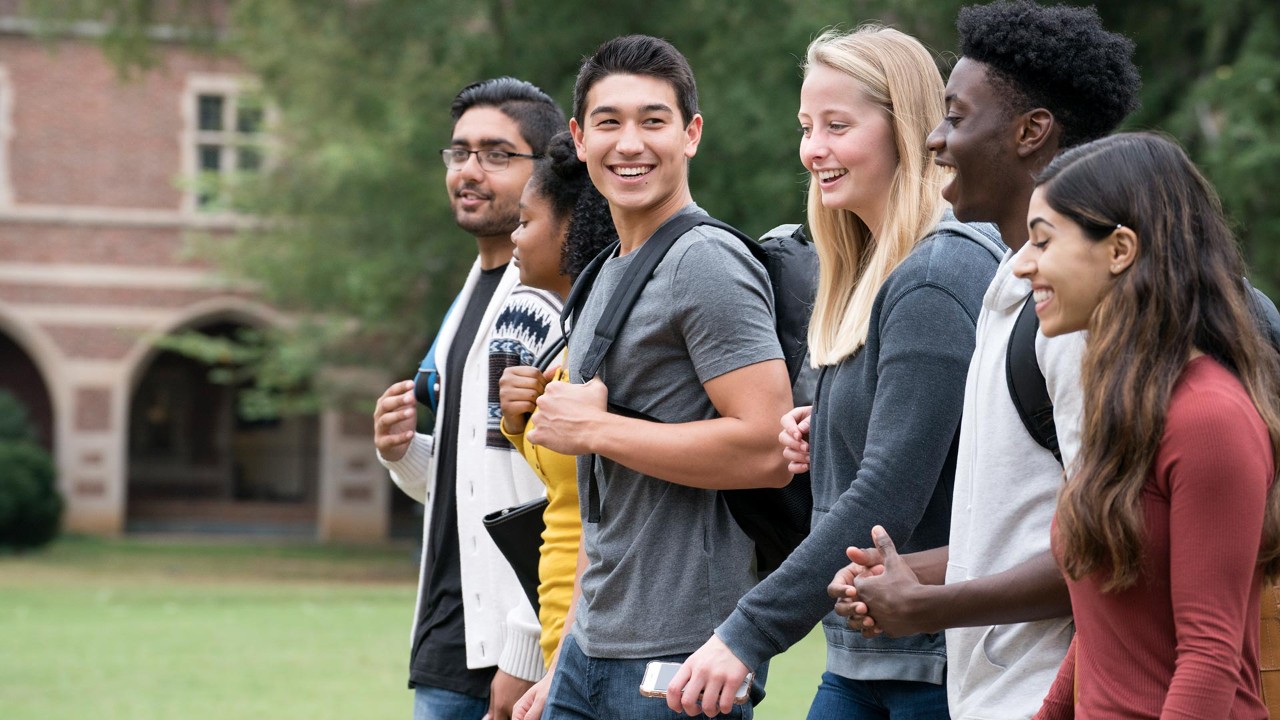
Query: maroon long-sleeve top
point(1183, 642)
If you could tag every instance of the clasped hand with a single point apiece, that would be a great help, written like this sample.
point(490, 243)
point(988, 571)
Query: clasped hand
point(518, 391)
point(877, 591)
point(570, 416)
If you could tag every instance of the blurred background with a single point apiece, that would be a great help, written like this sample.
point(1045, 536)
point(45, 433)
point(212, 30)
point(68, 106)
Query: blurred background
point(223, 231)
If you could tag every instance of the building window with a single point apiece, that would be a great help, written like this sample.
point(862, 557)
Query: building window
point(229, 141)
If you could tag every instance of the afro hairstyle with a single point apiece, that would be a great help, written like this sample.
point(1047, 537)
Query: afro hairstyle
point(562, 179)
point(1059, 58)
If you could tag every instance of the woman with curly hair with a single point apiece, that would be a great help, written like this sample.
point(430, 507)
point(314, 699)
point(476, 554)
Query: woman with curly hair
point(564, 223)
point(1169, 520)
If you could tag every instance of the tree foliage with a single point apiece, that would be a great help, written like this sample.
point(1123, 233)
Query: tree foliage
point(30, 505)
point(1212, 74)
point(15, 426)
point(357, 233)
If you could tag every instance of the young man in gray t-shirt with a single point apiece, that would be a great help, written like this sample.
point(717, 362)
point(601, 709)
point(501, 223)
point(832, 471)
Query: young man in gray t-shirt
point(666, 562)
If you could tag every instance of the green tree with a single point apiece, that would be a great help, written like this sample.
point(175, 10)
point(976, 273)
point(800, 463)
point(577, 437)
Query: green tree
point(30, 505)
point(356, 231)
point(1211, 71)
point(14, 424)
point(356, 234)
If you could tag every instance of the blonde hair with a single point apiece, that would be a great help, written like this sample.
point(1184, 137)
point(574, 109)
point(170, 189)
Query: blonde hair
point(897, 73)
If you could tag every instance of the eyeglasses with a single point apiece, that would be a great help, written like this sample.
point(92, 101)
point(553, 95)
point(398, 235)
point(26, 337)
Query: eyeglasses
point(455, 158)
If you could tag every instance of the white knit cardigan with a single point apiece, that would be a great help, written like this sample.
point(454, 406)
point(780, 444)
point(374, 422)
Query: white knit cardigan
point(501, 627)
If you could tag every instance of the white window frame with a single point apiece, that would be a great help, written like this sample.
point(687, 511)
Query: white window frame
point(231, 88)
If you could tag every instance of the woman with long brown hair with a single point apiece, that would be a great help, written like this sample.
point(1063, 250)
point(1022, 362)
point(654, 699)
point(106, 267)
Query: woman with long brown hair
point(1169, 519)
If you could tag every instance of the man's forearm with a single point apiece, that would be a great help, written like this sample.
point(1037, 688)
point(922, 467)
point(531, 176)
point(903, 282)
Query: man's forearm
point(1032, 590)
point(930, 566)
point(717, 454)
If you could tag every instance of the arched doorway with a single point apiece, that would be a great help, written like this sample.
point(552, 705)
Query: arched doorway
point(20, 376)
point(197, 465)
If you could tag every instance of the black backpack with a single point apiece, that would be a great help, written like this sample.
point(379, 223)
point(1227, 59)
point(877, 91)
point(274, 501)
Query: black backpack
point(776, 519)
point(1030, 393)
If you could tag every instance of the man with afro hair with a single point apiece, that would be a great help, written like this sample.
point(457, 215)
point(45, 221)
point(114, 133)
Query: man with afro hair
point(1031, 81)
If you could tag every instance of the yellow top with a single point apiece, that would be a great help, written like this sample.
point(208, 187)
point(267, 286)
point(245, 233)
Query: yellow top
point(559, 555)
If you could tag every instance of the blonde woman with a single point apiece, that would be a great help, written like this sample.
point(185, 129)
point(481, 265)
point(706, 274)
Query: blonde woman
point(892, 332)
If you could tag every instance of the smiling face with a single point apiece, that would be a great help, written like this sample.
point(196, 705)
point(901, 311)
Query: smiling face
point(847, 144)
point(977, 138)
point(1069, 272)
point(636, 146)
point(539, 239)
point(485, 204)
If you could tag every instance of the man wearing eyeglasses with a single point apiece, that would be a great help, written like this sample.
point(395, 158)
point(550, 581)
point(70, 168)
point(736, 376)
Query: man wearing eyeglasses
point(475, 638)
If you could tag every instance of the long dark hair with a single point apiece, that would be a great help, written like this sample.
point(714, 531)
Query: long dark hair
point(562, 179)
point(1184, 291)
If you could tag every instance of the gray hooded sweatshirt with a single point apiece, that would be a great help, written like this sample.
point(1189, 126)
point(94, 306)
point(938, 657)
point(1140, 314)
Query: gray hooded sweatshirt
point(883, 439)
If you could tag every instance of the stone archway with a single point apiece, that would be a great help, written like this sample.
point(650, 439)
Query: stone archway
point(21, 377)
point(196, 464)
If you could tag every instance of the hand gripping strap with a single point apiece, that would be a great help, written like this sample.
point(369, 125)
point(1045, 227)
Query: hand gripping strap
point(619, 308)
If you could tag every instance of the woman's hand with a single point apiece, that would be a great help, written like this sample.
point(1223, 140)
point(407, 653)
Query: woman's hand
point(707, 682)
point(795, 439)
point(518, 393)
point(865, 563)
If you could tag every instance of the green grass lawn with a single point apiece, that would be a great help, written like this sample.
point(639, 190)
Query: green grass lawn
point(143, 629)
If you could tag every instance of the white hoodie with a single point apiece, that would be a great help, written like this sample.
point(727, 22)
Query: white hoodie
point(1006, 488)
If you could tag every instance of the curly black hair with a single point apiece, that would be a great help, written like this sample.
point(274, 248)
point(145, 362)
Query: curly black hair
point(1059, 58)
point(562, 179)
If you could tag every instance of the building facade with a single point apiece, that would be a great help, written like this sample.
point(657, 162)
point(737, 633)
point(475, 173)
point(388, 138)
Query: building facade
point(103, 181)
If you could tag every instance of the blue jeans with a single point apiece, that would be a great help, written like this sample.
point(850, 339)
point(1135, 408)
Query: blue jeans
point(840, 698)
point(604, 689)
point(433, 703)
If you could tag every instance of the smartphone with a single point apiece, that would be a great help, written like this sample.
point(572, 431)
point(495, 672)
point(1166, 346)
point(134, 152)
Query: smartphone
point(658, 675)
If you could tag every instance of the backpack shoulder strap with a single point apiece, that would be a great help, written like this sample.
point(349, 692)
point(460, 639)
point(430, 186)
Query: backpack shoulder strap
point(713, 222)
point(550, 353)
point(428, 376)
point(974, 234)
point(628, 291)
point(619, 307)
point(582, 287)
point(1027, 386)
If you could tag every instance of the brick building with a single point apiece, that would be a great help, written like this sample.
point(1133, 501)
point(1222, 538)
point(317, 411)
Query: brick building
point(97, 199)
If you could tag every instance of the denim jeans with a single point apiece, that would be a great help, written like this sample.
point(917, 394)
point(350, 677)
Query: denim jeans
point(604, 689)
point(840, 698)
point(433, 703)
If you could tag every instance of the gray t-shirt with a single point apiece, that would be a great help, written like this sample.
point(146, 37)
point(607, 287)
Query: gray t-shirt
point(667, 562)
